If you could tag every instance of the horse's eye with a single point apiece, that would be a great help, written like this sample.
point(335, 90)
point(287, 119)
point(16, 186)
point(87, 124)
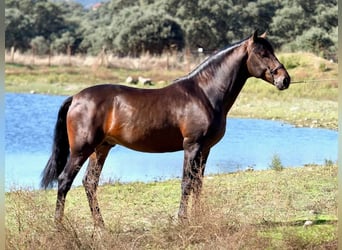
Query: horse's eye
point(261, 52)
point(264, 54)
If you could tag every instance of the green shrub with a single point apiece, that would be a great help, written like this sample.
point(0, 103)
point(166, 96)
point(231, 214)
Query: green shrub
point(276, 163)
point(328, 163)
point(290, 62)
point(323, 67)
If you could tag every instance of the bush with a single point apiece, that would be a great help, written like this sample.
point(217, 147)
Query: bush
point(276, 163)
point(291, 62)
point(152, 33)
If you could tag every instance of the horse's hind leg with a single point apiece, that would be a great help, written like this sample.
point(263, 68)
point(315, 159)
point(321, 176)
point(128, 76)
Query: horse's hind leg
point(65, 180)
point(91, 180)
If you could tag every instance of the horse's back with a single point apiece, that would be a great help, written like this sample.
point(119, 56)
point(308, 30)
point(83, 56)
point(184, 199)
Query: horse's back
point(103, 91)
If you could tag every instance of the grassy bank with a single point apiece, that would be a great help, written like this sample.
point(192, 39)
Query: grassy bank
point(245, 210)
point(310, 103)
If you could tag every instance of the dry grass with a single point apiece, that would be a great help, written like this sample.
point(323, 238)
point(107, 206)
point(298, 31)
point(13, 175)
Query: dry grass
point(63, 76)
point(218, 232)
point(144, 62)
point(245, 210)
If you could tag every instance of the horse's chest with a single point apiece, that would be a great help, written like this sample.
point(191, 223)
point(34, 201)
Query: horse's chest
point(216, 131)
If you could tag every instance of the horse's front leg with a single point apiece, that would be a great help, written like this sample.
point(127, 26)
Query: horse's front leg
point(186, 188)
point(197, 183)
point(91, 181)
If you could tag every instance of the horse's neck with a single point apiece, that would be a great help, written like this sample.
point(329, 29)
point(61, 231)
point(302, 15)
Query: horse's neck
point(226, 80)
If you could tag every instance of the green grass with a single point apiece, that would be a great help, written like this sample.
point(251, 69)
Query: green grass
point(314, 111)
point(244, 210)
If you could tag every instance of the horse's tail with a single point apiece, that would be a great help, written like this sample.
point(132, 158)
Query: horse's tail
point(60, 148)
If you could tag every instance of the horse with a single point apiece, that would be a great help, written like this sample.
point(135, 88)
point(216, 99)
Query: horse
point(189, 114)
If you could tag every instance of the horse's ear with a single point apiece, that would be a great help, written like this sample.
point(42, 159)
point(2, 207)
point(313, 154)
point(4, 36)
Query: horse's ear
point(255, 35)
point(263, 35)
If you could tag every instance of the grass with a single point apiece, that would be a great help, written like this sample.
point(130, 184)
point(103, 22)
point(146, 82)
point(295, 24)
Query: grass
point(312, 103)
point(244, 210)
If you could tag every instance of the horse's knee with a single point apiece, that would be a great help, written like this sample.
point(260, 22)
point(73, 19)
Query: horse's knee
point(61, 181)
point(64, 183)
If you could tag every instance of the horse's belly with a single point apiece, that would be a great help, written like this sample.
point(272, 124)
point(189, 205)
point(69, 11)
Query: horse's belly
point(153, 141)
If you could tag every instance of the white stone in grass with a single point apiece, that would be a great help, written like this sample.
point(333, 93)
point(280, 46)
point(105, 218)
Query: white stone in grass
point(308, 223)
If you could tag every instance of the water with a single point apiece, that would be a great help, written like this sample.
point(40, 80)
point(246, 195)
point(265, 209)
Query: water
point(30, 121)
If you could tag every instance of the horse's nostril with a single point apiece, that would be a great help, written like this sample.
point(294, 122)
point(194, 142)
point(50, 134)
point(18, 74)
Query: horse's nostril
point(287, 80)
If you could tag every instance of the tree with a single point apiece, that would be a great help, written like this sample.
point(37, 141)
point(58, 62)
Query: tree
point(95, 30)
point(64, 43)
point(327, 16)
point(18, 29)
point(48, 19)
point(204, 22)
point(313, 30)
point(73, 16)
point(151, 33)
point(315, 40)
point(39, 45)
point(283, 27)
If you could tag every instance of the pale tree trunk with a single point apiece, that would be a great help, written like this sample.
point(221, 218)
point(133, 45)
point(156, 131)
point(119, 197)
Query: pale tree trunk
point(12, 54)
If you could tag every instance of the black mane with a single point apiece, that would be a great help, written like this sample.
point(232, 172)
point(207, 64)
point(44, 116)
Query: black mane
point(213, 60)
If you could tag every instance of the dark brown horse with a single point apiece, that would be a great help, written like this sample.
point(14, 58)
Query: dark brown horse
point(190, 115)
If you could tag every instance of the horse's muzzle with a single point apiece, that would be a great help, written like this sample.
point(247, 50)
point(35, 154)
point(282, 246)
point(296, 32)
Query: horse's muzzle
point(282, 82)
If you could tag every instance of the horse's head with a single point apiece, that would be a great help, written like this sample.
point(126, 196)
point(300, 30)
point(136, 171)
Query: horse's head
point(262, 63)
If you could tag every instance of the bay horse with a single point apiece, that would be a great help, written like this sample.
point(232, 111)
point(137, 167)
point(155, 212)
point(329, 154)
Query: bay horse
point(189, 114)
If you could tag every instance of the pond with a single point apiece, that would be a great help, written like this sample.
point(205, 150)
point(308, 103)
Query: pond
point(30, 121)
